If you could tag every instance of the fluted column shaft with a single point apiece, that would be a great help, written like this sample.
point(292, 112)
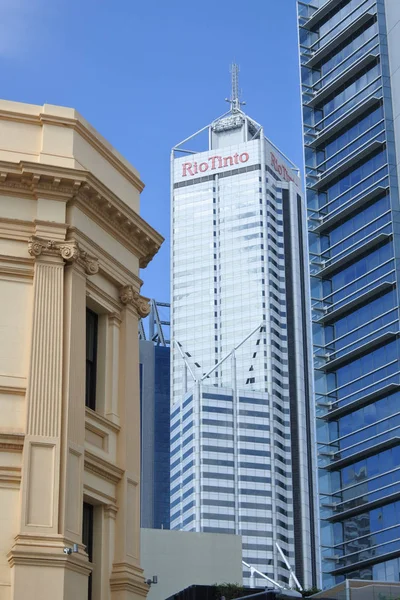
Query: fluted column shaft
point(40, 478)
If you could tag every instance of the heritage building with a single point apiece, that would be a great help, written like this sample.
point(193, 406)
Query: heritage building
point(71, 244)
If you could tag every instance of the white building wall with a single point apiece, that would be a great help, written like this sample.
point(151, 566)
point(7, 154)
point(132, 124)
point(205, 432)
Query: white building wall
point(230, 441)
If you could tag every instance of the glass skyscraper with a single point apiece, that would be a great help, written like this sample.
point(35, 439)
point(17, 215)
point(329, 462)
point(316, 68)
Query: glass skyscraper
point(350, 58)
point(242, 414)
point(154, 363)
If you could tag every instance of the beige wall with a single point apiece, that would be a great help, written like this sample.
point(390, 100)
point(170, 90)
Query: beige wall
point(182, 558)
point(70, 238)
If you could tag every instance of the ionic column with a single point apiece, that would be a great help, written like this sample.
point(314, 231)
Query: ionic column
point(127, 581)
point(41, 540)
point(74, 370)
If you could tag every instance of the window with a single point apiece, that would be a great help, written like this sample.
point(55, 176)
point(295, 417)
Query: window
point(87, 539)
point(92, 324)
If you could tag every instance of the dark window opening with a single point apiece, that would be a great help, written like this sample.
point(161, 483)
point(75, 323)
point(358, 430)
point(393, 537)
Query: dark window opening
point(87, 539)
point(92, 325)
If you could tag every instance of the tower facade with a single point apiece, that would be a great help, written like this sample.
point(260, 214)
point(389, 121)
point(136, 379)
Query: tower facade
point(240, 412)
point(155, 359)
point(351, 101)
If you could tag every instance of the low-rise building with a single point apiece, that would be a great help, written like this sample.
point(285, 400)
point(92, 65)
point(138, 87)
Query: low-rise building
point(71, 245)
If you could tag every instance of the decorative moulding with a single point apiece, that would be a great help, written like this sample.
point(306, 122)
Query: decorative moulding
point(89, 194)
point(70, 251)
point(129, 296)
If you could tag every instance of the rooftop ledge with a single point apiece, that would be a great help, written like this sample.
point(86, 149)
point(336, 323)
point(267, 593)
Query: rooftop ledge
point(32, 114)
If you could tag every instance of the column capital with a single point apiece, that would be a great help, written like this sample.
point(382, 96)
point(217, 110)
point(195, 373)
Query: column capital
point(129, 296)
point(110, 511)
point(69, 250)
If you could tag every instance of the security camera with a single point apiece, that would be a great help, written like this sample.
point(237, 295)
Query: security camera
point(74, 549)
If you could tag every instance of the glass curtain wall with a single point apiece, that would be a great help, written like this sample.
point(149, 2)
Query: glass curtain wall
point(352, 199)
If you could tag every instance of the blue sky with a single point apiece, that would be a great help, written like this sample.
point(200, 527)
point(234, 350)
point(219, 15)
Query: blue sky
point(149, 73)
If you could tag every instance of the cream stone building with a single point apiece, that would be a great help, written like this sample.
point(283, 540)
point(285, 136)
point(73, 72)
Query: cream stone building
point(71, 244)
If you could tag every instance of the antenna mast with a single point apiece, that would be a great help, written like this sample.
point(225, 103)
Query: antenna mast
point(234, 99)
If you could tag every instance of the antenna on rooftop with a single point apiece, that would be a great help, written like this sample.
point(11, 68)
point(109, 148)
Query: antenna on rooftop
point(234, 99)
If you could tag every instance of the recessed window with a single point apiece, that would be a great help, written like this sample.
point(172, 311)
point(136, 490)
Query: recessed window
point(87, 538)
point(92, 326)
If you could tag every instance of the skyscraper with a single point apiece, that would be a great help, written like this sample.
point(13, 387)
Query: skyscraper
point(350, 53)
point(241, 414)
point(154, 364)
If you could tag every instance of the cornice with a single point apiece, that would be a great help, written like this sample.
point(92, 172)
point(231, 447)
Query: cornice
point(14, 390)
point(82, 189)
point(102, 147)
point(16, 267)
point(38, 558)
point(97, 144)
point(16, 229)
point(127, 577)
point(114, 270)
point(11, 442)
point(10, 476)
point(103, 468)
point(92, 415)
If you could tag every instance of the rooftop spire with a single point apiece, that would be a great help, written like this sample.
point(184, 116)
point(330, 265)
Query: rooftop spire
point(234, 99)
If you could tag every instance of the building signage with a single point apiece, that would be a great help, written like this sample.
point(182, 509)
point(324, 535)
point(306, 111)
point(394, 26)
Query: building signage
point(214, 162)
point(280, 169)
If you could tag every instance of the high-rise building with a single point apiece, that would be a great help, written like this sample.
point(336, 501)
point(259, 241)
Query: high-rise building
point(241, 413)
point(350, 54)
point(154, 363)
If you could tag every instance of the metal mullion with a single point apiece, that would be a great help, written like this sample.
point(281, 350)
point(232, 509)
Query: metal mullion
point(345, 489)
point(335, 390)
point(348, 250)
point(358, 279)
point(352, 142)
point(364, 429)
point(363, 550)
point(388, 212)
point(357, 184)
point(346, 59)
point(347, 17)
point(363, 325)
point(363, 537)
point(350, 99)
point(366, 440)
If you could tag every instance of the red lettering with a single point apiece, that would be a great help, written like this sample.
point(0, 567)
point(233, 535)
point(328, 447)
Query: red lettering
point(213, 160)
point(217, 162)
point(187, 169)
point(230, 159)
point(281, 169)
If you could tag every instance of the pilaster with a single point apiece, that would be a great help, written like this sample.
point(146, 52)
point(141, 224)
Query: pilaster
point(127, 581)
point(53, 449)
point(112, 375)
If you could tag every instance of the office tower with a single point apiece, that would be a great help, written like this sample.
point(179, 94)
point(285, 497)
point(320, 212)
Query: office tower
point(350, 54)
point(241, 422)
point(154, 360)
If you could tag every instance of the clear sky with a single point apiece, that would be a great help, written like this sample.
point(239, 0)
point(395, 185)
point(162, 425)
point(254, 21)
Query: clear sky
point(149, 73)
